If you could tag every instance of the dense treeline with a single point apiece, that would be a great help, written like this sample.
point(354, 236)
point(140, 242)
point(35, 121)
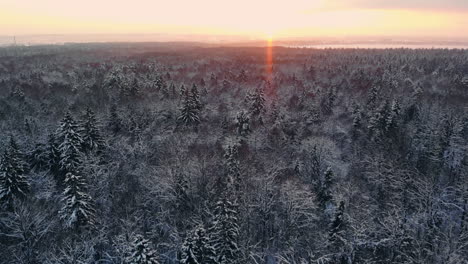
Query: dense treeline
point(142, 154)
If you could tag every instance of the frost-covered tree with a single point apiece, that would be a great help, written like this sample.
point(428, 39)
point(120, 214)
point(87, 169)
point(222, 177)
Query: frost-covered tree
point(373, 97)
point(13, 183)
point(196, 248)
point(77, 207)
point(357, 117)
point(393, 117)
point(224, 232)
point(195, 97)
point(378, 122)
point(324, 195)
point(189, 113)
point(243, 123)
point(142, 252)
point(92, 139)
point(257, 101)
point(337, 235)
point(114, 122)
point(69, 144)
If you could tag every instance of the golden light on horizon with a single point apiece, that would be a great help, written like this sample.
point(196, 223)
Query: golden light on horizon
point(296, 18)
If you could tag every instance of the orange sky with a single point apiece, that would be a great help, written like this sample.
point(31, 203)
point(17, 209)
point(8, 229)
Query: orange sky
point(260, 18)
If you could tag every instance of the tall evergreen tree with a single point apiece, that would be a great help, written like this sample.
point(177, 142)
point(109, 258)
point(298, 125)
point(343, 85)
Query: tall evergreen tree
point(393, 117)
point(224, 232)
point(53, 155)
point(13, 183)
point(232, 168)
point(92, 139)
point(70, 142)
point(257, 101)
point(324, 195)
point(195, 97)
point(142, 252)
point(196, 248)
point(242, 123)
point(189, 114)
point(77, 209)
point(337, 236)
point(114, 123)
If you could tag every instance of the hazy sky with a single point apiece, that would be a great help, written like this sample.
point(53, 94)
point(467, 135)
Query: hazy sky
point(256, 18)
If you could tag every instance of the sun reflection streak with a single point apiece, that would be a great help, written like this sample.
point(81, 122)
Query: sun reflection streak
point(269, 67)
point(269, 58)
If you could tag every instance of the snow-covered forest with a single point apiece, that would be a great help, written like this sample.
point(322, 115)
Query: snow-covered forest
point(177, 153)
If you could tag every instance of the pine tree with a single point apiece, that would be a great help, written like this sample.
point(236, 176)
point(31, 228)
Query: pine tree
point(142, 252)
point(189, 114)
point(257, 101)
point(328, 101)
point(195, 97)
point(224, 232)
point(336, 236)
point(393, 117)
point(172, 90)
point(324, 195)
point(92, 139)
point(357, 117)
point(372, 98)
point(114, 122)
point(53, 155)
point(182, 91)
point(70, 142)
point(160, 83)
point(77, 209)
point(378, 122)
point(196, 248)
point(242, 123)
point(232, 169)
point(13, 183)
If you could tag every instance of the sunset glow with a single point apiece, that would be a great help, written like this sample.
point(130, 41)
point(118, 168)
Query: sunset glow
point(254, 19)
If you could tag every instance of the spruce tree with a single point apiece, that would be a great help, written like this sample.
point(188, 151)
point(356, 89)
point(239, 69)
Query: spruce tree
point(92, 139)
point(337, 236)
point(196, 248)
point(13, 183)
point(357, 117)
point(142, 252)
point(325, 196)
point(242, 123)
point(257, 101)
point(114, 122)
point(70, 142)
point(53, 152)
point(393, 117)
point(77, 208)
point(372, 98)
point(224, 232)
point(232, 169)
point(189, 114)
point(195, 97)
